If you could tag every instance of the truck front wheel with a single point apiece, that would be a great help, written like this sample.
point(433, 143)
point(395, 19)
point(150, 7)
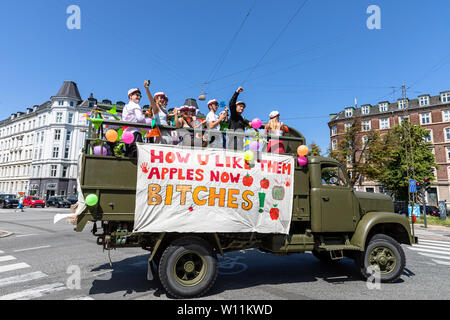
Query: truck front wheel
point(383, 254)
point(188, 267)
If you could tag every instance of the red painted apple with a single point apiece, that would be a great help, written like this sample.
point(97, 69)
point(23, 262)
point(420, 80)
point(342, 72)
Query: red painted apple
point(264, 183)
point(274, 213)
point(247, 181)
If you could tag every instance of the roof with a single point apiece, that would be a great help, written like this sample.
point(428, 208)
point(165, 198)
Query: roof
point(69, 89)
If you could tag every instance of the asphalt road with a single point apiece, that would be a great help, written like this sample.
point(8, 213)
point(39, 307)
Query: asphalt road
point(41, 260)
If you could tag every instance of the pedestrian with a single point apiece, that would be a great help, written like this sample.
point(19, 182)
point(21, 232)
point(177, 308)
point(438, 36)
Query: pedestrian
point(275, 129)
point(213, 122)
point(132, 112)
point(20, 206)
point(237, 122)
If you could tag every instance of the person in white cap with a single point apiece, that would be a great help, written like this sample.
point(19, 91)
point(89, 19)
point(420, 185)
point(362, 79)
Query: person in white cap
point(132, 112)
point(213, 122)
point(275, 129)
point(158, 112)
point(237, 121)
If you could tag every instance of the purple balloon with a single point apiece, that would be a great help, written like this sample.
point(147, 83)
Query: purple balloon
point(254, 146)
point(148, 120)
point(98, 150)
point(127, 137)
point(302, 161)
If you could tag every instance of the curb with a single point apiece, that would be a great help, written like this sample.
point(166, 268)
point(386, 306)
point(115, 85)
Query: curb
point(4, 234)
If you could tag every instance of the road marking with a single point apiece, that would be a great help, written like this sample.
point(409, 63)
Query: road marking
point(81, 298)
point(35, 292)
point(433, 244)
point(22, 278)
point(442, 262)
point(435, 241)
point(431, 251)
point(26, 235)
point(11, 267)
point(1, 252)
point(434, 256)
point(29, 249)
point(431, 247)
point(7, 258)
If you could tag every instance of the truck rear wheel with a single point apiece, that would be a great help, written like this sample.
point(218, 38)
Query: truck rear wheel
point(385, 254)
point(188, 267)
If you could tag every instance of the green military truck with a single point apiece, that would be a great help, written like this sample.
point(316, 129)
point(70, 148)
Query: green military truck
point(329, 218)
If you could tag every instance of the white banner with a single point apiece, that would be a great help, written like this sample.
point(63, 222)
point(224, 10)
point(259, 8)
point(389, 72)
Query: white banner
point(212, 190)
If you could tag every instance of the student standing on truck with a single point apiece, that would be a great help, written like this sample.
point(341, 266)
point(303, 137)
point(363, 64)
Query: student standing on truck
point(213, 122)
point(275, 129)
point(237, 121)
point(132, 112)
point(159, 112)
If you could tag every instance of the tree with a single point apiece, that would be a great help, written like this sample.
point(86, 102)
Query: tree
point(314, 150)
point(397, 158)
point(359, 152)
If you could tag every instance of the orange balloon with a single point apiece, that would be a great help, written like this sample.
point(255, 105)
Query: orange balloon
point(302, 151)
point(111, 135)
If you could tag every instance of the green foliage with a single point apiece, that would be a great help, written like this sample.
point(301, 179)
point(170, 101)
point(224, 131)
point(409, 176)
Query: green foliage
point(314, 150)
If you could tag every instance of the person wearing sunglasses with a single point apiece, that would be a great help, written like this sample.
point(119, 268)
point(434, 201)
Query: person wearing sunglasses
point(132, 112)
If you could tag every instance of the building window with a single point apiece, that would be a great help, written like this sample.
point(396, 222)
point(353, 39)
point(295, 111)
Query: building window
point(66, 152)
point(53, 169)
point(70, 118)
point(57, 134)
point(334, 145)
point(425, 118)
point(365, 125)
point(402, 104)
point(428, 137)
point(384, 123)
point(403, 118)
point(347, 126)
point(447, 134)
point(349, 112)
point(424, 101)
point(40, 153)
point(59, 116)
point(64, 172)
point(445, 97)
point(365, 140)
point(383, 107)
point(55, 152)
point(446, 115)
point(71, 103)
point(333, 130)
point(68, 135)
point(365, 109)
point(60, 103)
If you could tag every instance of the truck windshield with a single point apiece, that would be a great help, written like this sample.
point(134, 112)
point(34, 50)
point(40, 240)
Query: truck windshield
point(333, 176)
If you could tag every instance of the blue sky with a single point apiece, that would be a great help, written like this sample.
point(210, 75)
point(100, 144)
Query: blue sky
point(325, 58)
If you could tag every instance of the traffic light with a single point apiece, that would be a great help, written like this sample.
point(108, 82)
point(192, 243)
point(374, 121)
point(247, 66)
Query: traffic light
point(418, 186)
point(426, 183)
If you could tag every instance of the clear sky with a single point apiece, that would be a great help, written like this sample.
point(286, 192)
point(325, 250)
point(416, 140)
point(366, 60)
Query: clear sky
point(322, 61)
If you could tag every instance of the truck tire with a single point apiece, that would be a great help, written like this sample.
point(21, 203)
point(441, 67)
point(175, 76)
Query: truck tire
point(385, 253)
point(188, 268)
point(324, 256)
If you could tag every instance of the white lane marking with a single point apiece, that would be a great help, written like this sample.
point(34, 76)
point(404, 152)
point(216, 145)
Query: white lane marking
point(434, 241)
point(11, 267)
point(22, 278)
point(430, 247)
point(434, 256)
point(81, 298)
point(431, 251)
point(35, 292)
point(442, 262)
point(438, 246)
point(7, 258)
point(1, 252)
point(29, 249)
point(26, 235)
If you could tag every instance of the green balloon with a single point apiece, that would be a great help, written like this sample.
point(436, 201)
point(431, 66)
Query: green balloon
point(91, 200)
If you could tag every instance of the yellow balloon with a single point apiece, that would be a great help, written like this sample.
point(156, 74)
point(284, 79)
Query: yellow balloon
point(111, 135)
point(248, 155)
point(302, 150)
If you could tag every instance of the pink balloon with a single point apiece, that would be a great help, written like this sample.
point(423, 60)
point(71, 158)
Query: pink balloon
point(127, 137)
point(302, 161)
point(256, 123)
point(98, 150)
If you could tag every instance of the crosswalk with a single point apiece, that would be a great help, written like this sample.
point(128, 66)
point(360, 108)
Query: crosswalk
point(438, 251)
point(10, 264)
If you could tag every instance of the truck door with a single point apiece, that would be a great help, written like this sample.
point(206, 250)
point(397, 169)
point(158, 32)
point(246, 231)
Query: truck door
point(337, 200)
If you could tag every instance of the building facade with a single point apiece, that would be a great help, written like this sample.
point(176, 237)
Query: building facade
point(39, 148)
point(430, 112)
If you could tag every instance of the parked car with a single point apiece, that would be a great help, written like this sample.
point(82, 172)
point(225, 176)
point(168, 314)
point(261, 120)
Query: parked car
point(72, 200)
point(59, 202)
point(33, 202)
point(8, 201)
point(431, 211)
point(401, 207)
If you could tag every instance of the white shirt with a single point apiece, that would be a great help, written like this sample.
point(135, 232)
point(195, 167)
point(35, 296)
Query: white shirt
point(132, 112)
point(212, 117)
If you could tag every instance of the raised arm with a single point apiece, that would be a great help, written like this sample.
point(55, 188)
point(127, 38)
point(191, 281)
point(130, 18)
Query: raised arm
point(233, 100)
point(154, 107)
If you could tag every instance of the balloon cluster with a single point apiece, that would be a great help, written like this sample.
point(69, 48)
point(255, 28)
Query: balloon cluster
point(302, 151)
